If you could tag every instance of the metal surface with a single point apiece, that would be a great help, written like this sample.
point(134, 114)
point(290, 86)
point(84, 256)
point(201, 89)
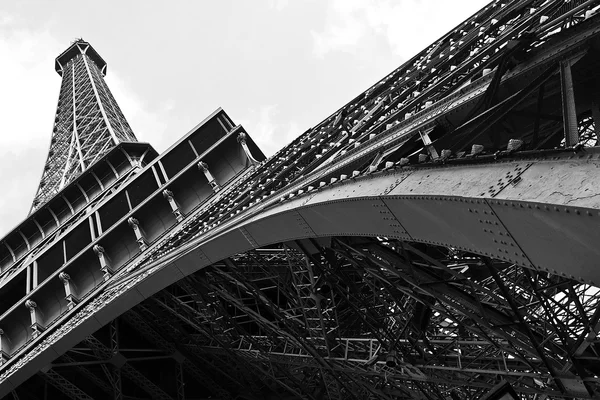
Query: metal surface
point(435, 238)
point(88, 121)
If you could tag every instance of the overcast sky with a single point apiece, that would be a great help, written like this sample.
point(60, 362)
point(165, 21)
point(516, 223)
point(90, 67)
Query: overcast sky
point(277, 67)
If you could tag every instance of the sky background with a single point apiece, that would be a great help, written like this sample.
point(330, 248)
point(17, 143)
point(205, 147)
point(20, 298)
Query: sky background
point(278, 67)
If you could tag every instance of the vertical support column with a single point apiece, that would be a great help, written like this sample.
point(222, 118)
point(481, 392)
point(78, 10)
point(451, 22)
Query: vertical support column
point(390, 359)
point(34, 273)
point(104, 261)
point(428, 145)
point(36, 318)
point(98, 222)
point(211, 180)
point(168, 195)
point(69, 289)
point(28, 280)
point(3, 347)
point(139, 236)
point(159, 182)
point(114, 347)
point(98, 100)
point(568, 104)
point(180, 381)
point(243, 142)
point(92, 228)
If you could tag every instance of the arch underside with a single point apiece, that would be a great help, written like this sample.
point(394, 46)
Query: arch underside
point(451, 294)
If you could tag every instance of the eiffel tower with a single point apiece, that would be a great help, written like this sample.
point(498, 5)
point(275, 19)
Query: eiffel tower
point(88, 123)
point(434, 238)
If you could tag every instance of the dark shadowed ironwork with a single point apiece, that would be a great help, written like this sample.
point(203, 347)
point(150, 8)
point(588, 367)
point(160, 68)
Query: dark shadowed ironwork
point(434, 238)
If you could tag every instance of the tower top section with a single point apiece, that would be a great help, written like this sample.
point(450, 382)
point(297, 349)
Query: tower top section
point(88, 121)
point(79, 46)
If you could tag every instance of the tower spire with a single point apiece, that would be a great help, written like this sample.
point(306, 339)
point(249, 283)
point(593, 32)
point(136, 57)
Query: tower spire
point(88, 121)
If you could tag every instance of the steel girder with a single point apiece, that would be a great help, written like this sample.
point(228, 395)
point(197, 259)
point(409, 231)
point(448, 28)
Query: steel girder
point(555, 303)
point(500, 345)
point(456, 281)
point(137, 322)
point(462, 347)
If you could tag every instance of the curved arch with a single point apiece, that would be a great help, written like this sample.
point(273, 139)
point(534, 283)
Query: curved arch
point(528, 224)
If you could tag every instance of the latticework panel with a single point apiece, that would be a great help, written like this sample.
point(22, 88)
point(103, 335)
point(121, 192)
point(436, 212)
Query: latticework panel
point(367, 316)
point(88, 124)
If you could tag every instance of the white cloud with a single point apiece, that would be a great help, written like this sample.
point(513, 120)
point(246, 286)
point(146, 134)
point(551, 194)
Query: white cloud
point(29, 84)
point(407, 26)
point(346, 26)
point(6, 20)
point(26, 72)
point(268, 134)
point(279, 4)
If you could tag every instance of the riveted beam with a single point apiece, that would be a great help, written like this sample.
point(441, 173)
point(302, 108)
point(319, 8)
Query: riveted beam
point(568, 104)
point(134, 320)
point(64, 385)
point(129, 371)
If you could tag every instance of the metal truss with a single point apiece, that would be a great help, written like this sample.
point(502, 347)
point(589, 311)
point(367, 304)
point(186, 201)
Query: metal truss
point(247, 372)
point(98, 382)
point(88, 123)
point(110, 368)
point(409, 319)
point(369, 317)
point(183, 363)
point(68, 388)
point(126, 369)
point(412, 321)
point(442, 101)
point(437, 321)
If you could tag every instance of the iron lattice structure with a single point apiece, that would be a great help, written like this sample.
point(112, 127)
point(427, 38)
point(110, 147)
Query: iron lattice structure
point(196, 302)
point(88, 122)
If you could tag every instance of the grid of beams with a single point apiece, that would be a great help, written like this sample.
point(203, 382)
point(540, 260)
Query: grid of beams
point(406, 321)
point(364, 317)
